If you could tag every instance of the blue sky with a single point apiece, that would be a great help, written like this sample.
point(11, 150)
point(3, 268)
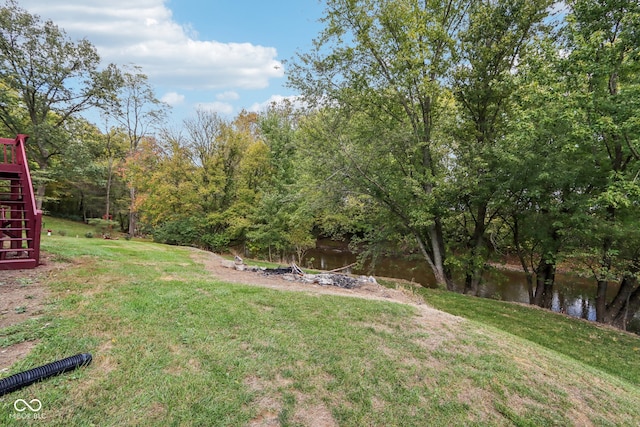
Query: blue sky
point(220, 55)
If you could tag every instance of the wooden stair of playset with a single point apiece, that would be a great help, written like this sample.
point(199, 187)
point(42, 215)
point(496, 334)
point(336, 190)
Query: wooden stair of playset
point(20, 220)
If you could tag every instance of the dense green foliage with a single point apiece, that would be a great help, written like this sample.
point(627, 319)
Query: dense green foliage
point(459, 130)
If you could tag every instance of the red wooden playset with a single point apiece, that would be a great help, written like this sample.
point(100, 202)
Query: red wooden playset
point(20, 220)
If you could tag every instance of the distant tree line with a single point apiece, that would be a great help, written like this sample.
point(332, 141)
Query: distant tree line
point(456, 131)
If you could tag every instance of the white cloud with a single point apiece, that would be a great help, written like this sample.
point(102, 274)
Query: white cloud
point(144, 33)
point(173, 98)
point(216, 107)
point(228, 96)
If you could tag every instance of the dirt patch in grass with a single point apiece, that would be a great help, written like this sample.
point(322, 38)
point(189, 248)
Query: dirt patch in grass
point(9, 355)
point(271, 404)
point(426, 316)
point(23, 296)
point(215, 265)
point(268, 415)
point(267, 404)
point(312, 414)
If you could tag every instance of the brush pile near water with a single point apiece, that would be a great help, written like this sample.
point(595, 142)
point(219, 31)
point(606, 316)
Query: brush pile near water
point(294, 273)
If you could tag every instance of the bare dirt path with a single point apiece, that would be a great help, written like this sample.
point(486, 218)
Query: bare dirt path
point(220, 268)
point(23, 296)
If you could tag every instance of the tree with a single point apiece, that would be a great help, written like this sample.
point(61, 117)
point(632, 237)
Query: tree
point(604, 64)
point(10, 103)
point(382, 65)
point(286, 210)
point(114, 152)
point(542, 197)
point(484, 84)
point(164, 176)
point(136, 110)
point(54, 77)
point(217, 167)
point(76, 181)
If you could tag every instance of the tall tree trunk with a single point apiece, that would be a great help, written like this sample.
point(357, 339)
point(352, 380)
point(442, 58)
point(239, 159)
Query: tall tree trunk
point(82, 207)
point(473, 275)
point(41, 190)
point(433, 249)
point(547, 296)
point(41, 156)
point(603, 283)
point(132, 213)
point(601, 301)
point(625, 304)
point(437, 243)
point(545, 278)
point(515, 228)
point(626, 313)
point(108, 198)
point(546, 271)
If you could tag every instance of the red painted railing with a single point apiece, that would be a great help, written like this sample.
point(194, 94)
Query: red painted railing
point(8, 151)
point(14, 166)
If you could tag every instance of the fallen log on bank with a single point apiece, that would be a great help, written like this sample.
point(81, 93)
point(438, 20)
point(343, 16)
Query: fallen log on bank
point(295, 273)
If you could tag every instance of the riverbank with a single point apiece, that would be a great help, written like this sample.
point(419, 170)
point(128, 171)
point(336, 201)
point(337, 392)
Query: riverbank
point(572, 294)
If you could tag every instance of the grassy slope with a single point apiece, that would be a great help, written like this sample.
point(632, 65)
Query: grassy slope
point(172, 346)
point(601, 347)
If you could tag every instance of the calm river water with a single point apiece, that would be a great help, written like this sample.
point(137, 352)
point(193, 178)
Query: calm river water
point(572, 295)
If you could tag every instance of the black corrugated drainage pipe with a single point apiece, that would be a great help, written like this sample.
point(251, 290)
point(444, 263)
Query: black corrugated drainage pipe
point(23, 379)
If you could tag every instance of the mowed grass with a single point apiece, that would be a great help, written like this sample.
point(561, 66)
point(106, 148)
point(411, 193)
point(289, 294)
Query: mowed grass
point(174, 346)
point(600, 346)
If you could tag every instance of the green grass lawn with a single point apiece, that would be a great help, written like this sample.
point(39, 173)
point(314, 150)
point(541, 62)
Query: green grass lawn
point(602, 347)
point(174, 346)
